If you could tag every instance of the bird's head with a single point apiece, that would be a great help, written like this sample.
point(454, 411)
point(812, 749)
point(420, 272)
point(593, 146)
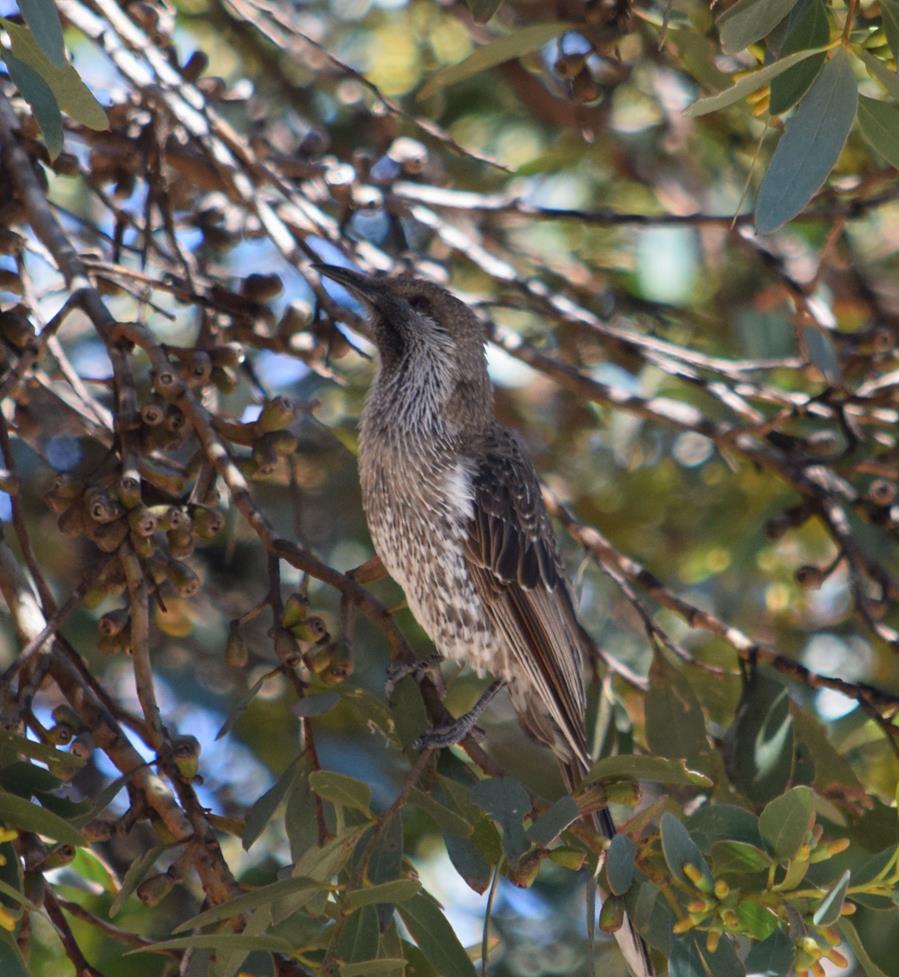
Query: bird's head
point(417, 324)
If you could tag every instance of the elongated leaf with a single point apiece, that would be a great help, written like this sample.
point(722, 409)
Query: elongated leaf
point(38, 95)
point(73, 96)
point(240, 905)
point(879, 124)
point(219, 941)
point(359, 937)
point(880, 72)
point(675, 726)
point(39, 751)
point(514, 45)
point(133, 877)
point(749, 84)
point(12, 963)
point(831, 906)
point(685, 960)
point(42, 18)
point(850, 935)
point(889, 14)
point(469, 862)
point(809, 28)
point(241, 706)
point(657, 769)
point(443, 816)
point(383, 967)
point(757, 921)
point(737, 858)
point(787, 820)
point(435, 937)
point(620, 865)
point(341, 790)
point(399, 890)
point(551, 824)
point(748, 21)
point(772, 957)
point(810, 145)
point(17, 812)
point(506, 802)
point(265, 806)
point(680, 849)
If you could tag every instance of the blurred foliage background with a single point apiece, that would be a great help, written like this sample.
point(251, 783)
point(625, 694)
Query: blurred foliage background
point(719, 405)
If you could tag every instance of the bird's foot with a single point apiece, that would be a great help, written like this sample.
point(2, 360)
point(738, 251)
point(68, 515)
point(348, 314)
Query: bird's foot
point(459, 729)
point(397, 671)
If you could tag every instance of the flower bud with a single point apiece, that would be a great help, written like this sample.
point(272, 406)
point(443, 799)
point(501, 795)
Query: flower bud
point(113, 622)
point(206, 522)
point(611, 916)
point(142, 521)
point(277, 414)
point(154, 889)
point(186, 754)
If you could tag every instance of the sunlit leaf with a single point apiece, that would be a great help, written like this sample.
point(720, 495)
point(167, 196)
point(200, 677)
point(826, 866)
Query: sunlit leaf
point(263, 896)
point(342, 790)
point(748, 84)
point(17, 812)
point(388, 892)
point(38, 95)
point(514, 45)
point(811, 143)
point(656, 769)
point(737, 858)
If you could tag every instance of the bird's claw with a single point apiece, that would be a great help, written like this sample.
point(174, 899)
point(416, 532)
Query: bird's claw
point(397, 671)
point(449, 734)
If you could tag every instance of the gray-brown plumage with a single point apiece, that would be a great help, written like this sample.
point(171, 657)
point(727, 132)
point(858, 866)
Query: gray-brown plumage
point(456, 514)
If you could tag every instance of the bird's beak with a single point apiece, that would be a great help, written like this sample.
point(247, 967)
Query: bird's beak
point(366, 287)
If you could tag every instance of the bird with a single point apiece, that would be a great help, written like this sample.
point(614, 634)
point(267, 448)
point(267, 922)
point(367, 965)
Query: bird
point(456, 514)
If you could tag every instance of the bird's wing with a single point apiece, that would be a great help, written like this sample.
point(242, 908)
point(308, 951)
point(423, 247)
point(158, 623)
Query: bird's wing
point(512, 558)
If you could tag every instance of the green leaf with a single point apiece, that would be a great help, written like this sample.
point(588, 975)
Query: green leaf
point(830, 907)
point(697, 55)
point(657, 769)
point(241, 706)
point(26, 779)
point(809, 28)
point(811, 143)
point(219, 941)
point(42, 18)
point(506, 802)
point(724, 962)
point(879, 71)
point(675, 726)
point(72, 95)
point(650, 914)
point(747, 85)
point(554, 821)
point(16, 897)
point(877, 866)
point(758, 921)
point(738, 858)
point(324, 862)
point(468, 862)
point(760, 746)
point(620, 865)
point(382, 967)
point(10, 875)
point(38, 95)
point(879, 124)
point(341, 790)
point(717, 822)
point(39, 751)
point(850, 935)
point(264, 807)
point(88, 865)
point(889, 15)
point(772, 957)
point(685, 960)
point(133, 877)
point(680, 849)
point(442, 816)
point(17, 812)
point(831, 769)
point(316, 705)
point(240, 905)
point(787, 820)
point(435, 937)
point(483, 10)
point(399, 890)
point(359, 937)
point(748, 21)
point(12, 963)
point(514, 45)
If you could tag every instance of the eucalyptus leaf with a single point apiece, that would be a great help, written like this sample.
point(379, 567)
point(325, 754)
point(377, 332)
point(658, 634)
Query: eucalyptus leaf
point(240, 905)
point(399, 890)
point(17, 812)
point(830, 908)
point(811, 143)
point(748, 21)
point(657, 769)
point(879, 124)
point(787, 820)
point(434, 935)
point(850, 935)
point(620, 865)
point(220, 942)
point(38, 95)
point(43, 20)
point(809, 28)
point(341, 790)
point(554, 821)
point(773, 957)
point(680, 849)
